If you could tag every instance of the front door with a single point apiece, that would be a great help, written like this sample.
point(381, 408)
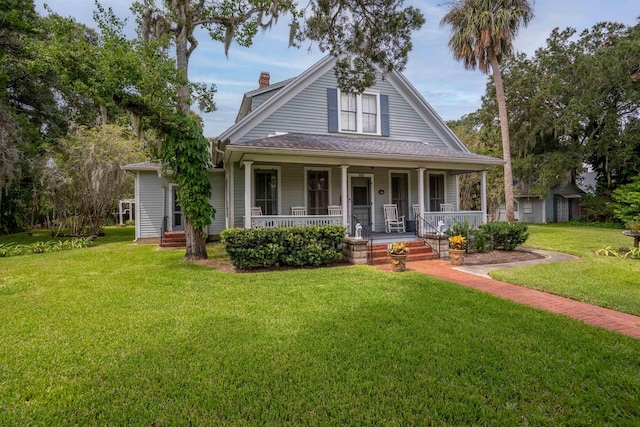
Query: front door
point(361, 202)
point(562, 209)
point(177, 220)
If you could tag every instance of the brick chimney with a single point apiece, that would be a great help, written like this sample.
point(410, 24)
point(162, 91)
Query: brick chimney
point(263, 81)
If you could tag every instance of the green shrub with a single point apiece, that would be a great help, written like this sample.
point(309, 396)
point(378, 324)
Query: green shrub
point(634, 253)
point(291, 246)
point(479, 240)
point(475, 237)
point(506, 235)
point(9, 249)
point(627, 201)
point(463, 229)
point(596, 208)
point(5, 250)
point(608, 251)
point(632, 226)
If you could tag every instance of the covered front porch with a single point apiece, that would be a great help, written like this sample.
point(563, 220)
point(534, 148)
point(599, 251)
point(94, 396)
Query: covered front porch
point(298, 179)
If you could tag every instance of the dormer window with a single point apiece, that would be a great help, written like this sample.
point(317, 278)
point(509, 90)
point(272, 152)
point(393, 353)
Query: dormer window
point(367, 113)
point(360, 113)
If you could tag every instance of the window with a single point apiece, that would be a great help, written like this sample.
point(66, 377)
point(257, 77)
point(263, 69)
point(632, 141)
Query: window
point(369, 113)
point(527, 207)
point(317, 192)
point(436, 192)
point(400, 193)
point(266, 190)
point(360, 113)
point(348, 112)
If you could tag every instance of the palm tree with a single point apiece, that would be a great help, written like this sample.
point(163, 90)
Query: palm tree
point(482, 36)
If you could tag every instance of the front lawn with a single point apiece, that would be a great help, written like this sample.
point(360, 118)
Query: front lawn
point(604, 281)
point(120, 334)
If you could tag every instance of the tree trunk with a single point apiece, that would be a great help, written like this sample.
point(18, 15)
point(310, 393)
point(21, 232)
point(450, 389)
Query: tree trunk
point(196, 245)
point(506, 147)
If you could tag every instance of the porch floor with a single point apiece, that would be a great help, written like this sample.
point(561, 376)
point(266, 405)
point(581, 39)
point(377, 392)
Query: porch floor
point(393, 237)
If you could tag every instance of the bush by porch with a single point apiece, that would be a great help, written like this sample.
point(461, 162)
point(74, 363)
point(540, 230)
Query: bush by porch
point(287, 246)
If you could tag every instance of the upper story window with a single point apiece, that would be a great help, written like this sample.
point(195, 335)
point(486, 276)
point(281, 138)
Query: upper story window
point(360, 113)
point(348, 112)
point(367, 113)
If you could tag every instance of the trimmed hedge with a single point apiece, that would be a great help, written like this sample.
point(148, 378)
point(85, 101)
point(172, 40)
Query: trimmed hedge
point(290, 246)
point(505, 235)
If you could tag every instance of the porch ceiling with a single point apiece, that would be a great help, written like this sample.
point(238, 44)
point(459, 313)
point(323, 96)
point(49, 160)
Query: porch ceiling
point(355, 150)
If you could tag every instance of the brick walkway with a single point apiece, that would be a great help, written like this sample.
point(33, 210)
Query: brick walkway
point(623, 323)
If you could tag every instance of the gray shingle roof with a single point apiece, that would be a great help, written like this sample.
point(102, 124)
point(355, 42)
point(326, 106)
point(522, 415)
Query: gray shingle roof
point(272, 86)
point(363, 145)
point(142, 166)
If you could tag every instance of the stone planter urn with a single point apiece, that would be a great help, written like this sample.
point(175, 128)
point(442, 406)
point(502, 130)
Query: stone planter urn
point(398, 262)
point(457, 245)
point(635, 234)
point(456, 256)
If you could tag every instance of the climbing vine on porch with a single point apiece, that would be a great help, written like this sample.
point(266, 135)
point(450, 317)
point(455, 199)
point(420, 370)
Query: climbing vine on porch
point(186, 154)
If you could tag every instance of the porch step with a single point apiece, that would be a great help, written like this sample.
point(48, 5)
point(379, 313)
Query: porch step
point(418, 251)
point(174, 239)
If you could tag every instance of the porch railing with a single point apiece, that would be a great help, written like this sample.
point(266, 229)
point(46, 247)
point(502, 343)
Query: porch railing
point(278, 221)
point(475, 218)
point(430, 234)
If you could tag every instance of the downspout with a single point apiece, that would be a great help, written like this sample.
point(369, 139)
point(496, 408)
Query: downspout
point(227, 183)
point(164, 202)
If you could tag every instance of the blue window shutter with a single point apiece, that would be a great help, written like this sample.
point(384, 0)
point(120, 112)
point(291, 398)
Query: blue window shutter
point(332, 109)
point(384, 115)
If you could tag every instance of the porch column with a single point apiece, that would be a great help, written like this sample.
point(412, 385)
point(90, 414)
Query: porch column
point(483, 196)
point(247, 193)
point(421, 196)
point(344, 196)
point(120, 212)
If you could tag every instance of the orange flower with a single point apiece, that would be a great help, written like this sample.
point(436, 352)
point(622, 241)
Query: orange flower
point(398, 248)
point(457, 242)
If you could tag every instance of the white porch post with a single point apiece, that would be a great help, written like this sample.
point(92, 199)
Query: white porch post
point(421, 196)
point(247, 193)
point(120, 211)
point(483, 196)
point(344, 195)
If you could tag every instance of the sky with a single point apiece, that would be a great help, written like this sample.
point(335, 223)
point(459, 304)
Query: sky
point(450, 89)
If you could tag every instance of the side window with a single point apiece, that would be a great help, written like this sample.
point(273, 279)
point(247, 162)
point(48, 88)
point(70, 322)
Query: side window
point(266, 190)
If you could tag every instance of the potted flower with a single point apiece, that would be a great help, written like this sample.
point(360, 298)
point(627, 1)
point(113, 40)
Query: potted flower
point(398, 253)
point(457, 245)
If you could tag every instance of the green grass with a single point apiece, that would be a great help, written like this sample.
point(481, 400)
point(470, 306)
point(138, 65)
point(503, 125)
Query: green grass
point(120, 334)
point(604, 281)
